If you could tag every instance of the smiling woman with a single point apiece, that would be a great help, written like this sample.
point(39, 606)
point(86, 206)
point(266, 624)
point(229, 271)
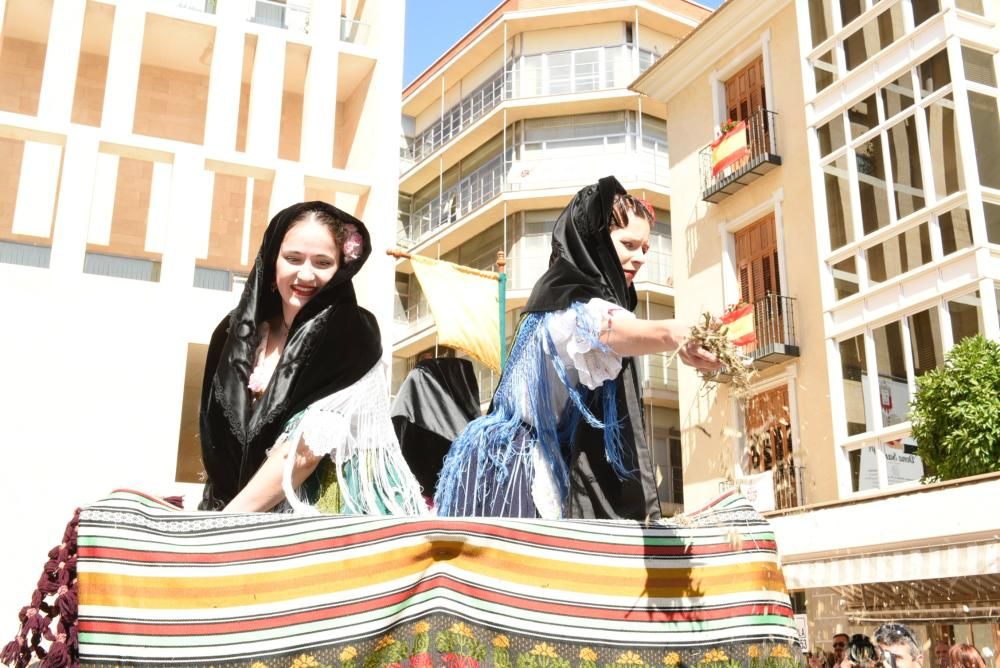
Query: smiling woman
point(294, 412)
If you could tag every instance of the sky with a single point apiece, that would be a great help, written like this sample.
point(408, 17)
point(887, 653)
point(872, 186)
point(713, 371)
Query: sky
point(433, 26)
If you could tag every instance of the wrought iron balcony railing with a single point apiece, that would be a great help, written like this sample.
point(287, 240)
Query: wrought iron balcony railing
point(776, 337)
point(761, 156)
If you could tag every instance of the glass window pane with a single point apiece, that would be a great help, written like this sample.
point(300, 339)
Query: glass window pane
point(924, 9)
point(966, 316)
point(853, 373)
point(850, 10)
point(908, 183)
point(890, 25)
point(992, 212)
point(897, 95)
point(986, 137)
point(845, 278)
point(925, 341)
point(862, 44)
point(898, 255)
point(824, 71)
point(956, 230)
point(934, 73)
point(893, 389)
point(862, 116)
point(820, 20)
point(946, 163)
point(979, 67)
point(838, 203)
point(871, 185)
point(974, 6)
point(831, 135)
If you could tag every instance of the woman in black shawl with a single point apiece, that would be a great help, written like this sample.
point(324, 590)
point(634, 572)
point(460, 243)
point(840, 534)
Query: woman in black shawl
point(564, 433)
point(294, 403)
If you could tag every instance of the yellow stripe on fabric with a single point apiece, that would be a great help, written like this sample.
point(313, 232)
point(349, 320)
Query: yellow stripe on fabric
point(502, 566)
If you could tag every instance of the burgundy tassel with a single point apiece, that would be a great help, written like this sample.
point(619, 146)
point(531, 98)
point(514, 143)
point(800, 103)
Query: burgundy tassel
point(177, 501)
point(37, 619)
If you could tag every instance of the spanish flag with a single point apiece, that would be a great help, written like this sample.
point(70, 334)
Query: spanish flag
point(738, 324)
point(730, 148)
point(464, 303)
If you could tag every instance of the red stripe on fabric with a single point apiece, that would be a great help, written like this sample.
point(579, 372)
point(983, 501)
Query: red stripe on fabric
point(541, 540)
point(437, 582)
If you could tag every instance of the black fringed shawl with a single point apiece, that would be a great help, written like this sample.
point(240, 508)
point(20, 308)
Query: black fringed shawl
point(584, 265)
point(333, 342)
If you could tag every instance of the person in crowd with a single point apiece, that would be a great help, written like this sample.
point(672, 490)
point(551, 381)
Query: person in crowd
point(900, 642)
point(295, 403)
point(840, 641)
point(860, 653)
point(564, 434)
point(941, 648)
point(965, 656)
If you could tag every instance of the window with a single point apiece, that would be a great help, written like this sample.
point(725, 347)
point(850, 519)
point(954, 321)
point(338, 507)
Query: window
point(898, 95)
point(934, 73)
point(946, 163)
point(831, 135)
point(853, 371)
point(890, 360)
point(862, 116)
point(821, 20)
point(769, 444)
point(871, 185)
point(908, 185)
point(900, 254)
point(745, 92)
point(757, 272)
point(925, 341)
point(838, 203)
point(956, 230)
point(992, 213)
point(986, 137)
point(845, 278)
point(966, 316)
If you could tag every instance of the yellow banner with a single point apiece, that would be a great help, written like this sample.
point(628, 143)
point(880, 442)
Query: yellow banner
point(465, 305)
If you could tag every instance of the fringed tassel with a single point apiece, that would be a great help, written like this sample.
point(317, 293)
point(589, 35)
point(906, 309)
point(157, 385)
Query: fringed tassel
point(58, 579)
point(614, 442)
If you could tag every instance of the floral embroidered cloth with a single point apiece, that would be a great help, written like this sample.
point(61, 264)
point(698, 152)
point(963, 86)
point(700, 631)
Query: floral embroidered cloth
point(161, 586)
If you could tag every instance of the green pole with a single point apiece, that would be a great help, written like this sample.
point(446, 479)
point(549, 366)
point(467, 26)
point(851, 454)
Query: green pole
point(501, 265)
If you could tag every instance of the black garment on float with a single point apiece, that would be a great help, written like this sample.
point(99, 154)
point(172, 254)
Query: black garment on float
point(435, 402)
point(333, 342)
point(584, 265)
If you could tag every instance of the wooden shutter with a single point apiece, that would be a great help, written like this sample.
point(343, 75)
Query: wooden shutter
point(745, 92)
point(757, 270)
point(769, 443)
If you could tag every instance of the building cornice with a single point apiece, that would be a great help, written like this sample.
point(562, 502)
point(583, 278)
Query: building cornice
point(508, 12)
point(699, 50)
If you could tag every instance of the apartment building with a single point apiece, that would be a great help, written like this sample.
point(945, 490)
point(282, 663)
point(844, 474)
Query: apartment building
point(499, 134)
point(146, 144)
point(861, 219)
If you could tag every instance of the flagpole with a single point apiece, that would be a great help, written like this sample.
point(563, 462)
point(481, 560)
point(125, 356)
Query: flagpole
point(501, 266)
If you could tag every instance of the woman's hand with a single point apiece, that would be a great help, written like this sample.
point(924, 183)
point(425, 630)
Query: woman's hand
point(695, 356)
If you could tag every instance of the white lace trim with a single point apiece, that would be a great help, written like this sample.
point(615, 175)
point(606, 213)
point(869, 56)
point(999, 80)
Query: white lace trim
point(576, 338)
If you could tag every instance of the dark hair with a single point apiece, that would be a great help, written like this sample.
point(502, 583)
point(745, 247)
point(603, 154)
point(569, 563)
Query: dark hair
point(339, 229)
point(622, 205)
point(894, 633)
point(861, 651)
point(965, 656)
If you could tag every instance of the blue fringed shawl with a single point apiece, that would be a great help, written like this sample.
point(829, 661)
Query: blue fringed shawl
point(523, 398)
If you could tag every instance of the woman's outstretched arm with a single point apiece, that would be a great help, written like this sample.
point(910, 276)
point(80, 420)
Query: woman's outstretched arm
point(264, 490)
point(634, 336)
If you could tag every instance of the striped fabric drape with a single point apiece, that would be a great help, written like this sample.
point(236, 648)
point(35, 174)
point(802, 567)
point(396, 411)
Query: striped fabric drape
point(161, 586)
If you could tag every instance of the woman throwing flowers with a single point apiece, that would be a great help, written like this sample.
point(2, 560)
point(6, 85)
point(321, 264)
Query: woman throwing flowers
point(294, 409)
point(564, 434)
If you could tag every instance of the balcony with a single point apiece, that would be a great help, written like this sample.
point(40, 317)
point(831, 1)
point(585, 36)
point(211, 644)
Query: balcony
point(776, 341)
point(562, 168)
point(207, 6)
point(288, 16)
point(557, 73)
point(761, 157)
point(353, 31)
point(412, 320)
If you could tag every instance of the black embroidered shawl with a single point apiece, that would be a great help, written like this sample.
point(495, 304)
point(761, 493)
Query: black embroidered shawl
point(332, 343)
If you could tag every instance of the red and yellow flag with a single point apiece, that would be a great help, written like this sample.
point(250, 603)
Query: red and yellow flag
point(730, 148)
point(739, 325)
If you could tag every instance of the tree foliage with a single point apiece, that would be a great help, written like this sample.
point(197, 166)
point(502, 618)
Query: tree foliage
point(956, 412)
